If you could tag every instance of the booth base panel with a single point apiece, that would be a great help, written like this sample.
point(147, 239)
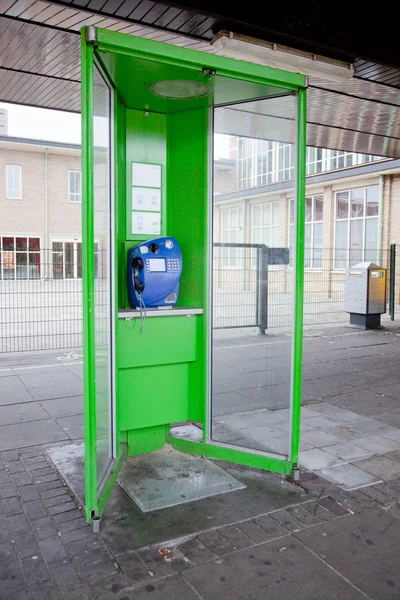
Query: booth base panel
point(168, 478)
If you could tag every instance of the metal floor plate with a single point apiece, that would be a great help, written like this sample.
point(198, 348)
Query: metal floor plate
point(168, 478)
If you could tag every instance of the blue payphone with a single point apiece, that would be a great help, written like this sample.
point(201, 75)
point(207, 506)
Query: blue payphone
point(154, 269)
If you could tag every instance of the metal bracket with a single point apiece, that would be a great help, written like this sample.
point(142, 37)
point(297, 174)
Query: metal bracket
point(96, 524)
point(296, 474)
point(91, 35)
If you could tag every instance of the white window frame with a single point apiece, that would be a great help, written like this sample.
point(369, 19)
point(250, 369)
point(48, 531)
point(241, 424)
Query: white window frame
point(74, 197)
point(13, 193)
point(313, 260)
point(349, 219)
point(64, 241)
point(265, 206)
point(233, 260)
point(14, 253)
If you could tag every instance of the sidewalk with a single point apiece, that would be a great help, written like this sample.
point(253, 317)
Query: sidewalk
point(272, 540)
point(326, 543)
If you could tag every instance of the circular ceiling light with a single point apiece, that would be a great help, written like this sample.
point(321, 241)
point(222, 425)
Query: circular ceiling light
point(180, 89)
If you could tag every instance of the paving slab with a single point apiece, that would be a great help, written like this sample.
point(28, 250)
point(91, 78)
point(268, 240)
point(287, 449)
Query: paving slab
point(317, 458)
point(347, 476)
point(72, 426)
point(364, 548)
point(369, 403)
point(349, 452)
point(22, 412)
point(382, 467)
point(378, 444)
point(274, 570)
point(63, 407)
point(28, 434)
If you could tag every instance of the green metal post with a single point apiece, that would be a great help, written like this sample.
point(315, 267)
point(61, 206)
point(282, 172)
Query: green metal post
point(299, 276)
point(88, 277)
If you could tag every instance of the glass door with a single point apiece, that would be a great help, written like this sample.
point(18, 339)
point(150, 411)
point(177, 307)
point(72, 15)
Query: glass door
point(98, 288)
point(253, 277)
point(103, 293)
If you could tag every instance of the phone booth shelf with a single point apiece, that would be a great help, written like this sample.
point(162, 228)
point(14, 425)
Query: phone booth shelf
point(148, 126)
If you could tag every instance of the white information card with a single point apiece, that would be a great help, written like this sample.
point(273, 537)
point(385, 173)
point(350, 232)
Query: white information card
point(146, 175)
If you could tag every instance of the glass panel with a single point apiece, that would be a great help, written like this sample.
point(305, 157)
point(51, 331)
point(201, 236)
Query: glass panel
point(276, 237)
point(79, 260)
point(356, 241)
point(21, 244)
point(22, 265)
point(256, 214)
point(266, 214)
point(372, 201)
point(317, 245)
point(318, 208)
point(342, 205)
point(34, 265)
point(34, 244)
point(307, 246)
point(69, 260)
point(251, 382)
point(275, 213)
point(341, 244)
point(357, 203)
point(102, 291)
point(371, 240)
point(308, 210)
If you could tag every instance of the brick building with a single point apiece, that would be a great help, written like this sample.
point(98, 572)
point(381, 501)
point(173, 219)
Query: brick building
point(40, 204)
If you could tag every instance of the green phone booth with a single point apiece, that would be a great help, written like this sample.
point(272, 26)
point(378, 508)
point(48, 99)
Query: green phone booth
point(150, 112)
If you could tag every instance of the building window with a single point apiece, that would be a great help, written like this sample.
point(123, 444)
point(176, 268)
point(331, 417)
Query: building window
point(315, 161)
point(67, 260)
point(285, 166)
point(13, 182)
point(356, 233)
point(313, 231)
point(245, 163)
point(265, 162)
point(74, 186)
point(265, 223)
point(232, 233)
point(340, 159)
point(19, 258)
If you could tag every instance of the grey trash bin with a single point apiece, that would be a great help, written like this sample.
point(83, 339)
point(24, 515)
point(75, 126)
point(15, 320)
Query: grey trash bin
point(365, 295)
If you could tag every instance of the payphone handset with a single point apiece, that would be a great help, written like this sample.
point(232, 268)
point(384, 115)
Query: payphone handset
point(154, 269)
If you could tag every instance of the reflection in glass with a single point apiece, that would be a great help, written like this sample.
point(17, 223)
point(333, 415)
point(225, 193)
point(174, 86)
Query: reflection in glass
point(251, 374)
point(102, 283)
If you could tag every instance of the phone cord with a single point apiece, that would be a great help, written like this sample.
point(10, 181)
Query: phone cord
point(143, 312)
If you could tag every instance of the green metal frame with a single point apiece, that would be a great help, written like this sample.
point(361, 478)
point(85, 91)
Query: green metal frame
point(112, 42)
point(87, 70)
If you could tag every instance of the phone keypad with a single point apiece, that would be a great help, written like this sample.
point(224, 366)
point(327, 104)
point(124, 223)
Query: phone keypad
point(172, 264)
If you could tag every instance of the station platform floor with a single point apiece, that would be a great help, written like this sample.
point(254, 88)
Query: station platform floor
point(333, 535)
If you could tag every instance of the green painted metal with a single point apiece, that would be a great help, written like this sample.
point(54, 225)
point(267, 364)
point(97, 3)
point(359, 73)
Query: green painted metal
point(146, 142)
point(112, 477)
point(299, 289)
point(188, 188)
point(176, 341)
point(157, 388)
point(149, 439)
point(91, 500)
point(241, 457)
point(118, 43)
point(154, 395)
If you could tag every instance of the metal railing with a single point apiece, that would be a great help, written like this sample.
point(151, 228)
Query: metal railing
point(42, 309)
